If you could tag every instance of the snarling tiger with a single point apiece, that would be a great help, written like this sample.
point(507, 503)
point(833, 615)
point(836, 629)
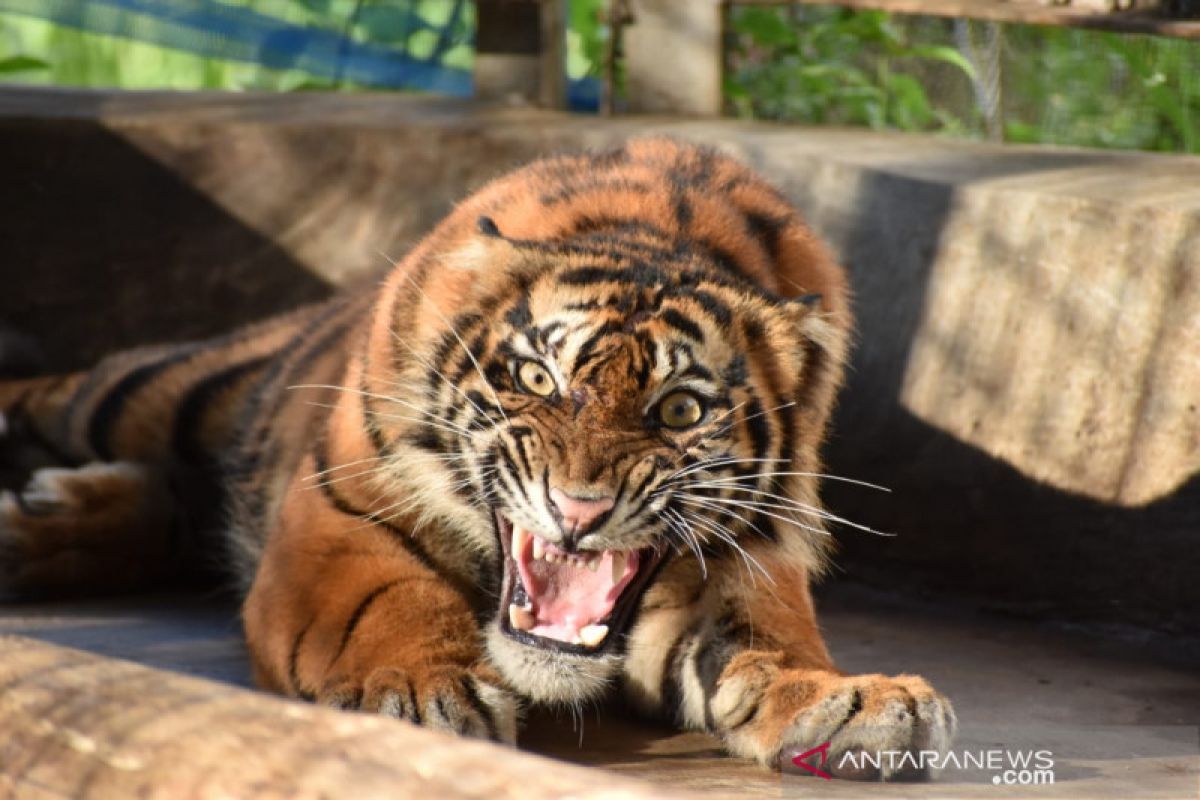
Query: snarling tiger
point(568, 449)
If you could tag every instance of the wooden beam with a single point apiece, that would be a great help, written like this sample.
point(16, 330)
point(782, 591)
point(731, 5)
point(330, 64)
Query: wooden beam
point(673, 57)
point(1019, 12)
point(78, 725)
point(520, 52)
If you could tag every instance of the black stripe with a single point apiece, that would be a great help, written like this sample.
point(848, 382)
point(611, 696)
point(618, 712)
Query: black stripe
point(735, 372)
point(767, 230)
point(760, 433)
point(418, 717)
point(374, 434)
point(671, 688)
point(639, 275)
point(679, 322)
point(714, 656)
point(359, 611)
point(186, 429)
point(586, 350)
point(107, 413)
point(518, 434)
point(590, 186)
point(506, 461)
point(293, 665)
point(715, 307)
point(518, 316)
point(344, 506)
point(25, 426)
point(481, 708)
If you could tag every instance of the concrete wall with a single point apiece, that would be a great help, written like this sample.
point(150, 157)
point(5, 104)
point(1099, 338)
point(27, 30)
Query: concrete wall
point(1028, 368)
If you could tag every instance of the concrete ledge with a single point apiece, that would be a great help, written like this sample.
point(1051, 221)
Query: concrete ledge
point(82, 726)
point(1028, 369)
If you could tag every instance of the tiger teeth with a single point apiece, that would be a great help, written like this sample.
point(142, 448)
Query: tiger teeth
point(594, 564)
point(519, 617)
point(618, 565)
point(519, 537)
point(593, 635)
point(539, 548)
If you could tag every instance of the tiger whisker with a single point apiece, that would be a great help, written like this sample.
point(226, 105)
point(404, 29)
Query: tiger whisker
point(429, 366)
point(459, 339)
point(803, 508)
point(319, 473)
point(677, 523)
point(387, 398)
point(725, 534)
point(729, 427)
point(748, 505)
point(822, 475)
point(447, 427)
point(730, 411)
point(723, 461)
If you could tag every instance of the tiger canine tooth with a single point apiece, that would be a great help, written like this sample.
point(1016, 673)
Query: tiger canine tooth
point(618, 565)
point(520, 618)
point(539, 548)
point(518, 540)
point(594, 564)
point(593, 635)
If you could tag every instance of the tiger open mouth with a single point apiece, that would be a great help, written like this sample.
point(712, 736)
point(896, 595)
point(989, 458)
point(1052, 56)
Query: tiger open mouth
point(577, 602)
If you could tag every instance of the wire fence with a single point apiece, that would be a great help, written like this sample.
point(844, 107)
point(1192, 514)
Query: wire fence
point(414, 45)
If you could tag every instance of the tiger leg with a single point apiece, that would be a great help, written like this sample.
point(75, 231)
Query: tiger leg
point(353, 614)
point(67, 526)
point(110, 476)
point(73, 530)
point(752, 669)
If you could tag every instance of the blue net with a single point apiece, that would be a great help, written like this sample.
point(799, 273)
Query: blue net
point(336, 51)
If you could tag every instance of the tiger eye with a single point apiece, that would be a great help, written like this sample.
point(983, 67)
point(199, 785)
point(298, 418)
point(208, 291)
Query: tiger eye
point(680, 410)
point(535, 379)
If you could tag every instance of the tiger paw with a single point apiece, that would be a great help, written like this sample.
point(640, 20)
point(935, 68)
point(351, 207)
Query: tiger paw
point(89, 527)
point(819, 722)
point(446, 698)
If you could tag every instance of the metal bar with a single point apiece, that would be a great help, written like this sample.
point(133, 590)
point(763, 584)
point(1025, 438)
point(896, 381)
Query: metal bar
point(1021, 13)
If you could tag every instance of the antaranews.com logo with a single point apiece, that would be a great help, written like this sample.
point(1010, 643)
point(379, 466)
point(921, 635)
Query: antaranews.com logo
point(1007, 767)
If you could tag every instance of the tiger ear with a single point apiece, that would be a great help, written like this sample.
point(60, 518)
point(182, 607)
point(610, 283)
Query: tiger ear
point(824, 342)
point(479, 251)
point(813, 323)
point(487, 226)
point(807, 300)
point(816, 325)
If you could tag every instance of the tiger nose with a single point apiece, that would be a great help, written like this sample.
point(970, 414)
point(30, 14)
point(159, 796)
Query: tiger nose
point(578, 513)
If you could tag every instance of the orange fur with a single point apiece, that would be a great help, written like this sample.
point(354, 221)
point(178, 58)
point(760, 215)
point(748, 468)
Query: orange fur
point(385, 469)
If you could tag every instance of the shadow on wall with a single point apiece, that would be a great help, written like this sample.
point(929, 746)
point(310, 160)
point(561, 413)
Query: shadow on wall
point(106, 249)
point(968, 523)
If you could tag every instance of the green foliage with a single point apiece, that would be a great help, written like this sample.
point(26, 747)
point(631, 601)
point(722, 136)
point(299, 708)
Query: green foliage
point(587, 35)
point(21, 64)
point(835, 66)
point(38, 52)
point(1060, 86)
point(1103, 90)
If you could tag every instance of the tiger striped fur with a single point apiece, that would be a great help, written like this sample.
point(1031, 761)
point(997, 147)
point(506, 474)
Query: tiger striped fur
point(568, 449)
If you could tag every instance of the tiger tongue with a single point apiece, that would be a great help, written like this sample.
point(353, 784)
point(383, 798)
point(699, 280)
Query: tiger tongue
point(568, 598)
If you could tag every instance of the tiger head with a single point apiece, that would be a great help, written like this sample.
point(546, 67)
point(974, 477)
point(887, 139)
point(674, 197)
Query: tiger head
point(623, 421)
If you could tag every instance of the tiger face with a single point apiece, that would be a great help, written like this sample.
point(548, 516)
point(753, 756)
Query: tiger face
point(613, 422)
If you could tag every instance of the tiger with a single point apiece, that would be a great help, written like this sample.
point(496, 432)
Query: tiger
point(566, 451)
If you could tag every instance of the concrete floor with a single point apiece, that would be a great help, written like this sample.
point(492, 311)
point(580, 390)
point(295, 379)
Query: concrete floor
point(1120, 716)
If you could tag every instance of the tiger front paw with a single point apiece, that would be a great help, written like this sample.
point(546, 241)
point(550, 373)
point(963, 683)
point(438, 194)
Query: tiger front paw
point(845, 724)
point(447, 698)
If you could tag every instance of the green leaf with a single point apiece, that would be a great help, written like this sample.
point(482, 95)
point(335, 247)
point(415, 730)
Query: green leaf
point(947, 55)
point(21, 64)
point(767, 27)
